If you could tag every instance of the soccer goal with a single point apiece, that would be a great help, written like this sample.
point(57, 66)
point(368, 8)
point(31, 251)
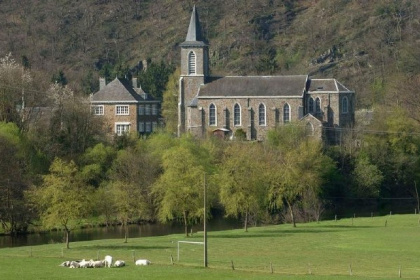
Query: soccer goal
point(188, 242)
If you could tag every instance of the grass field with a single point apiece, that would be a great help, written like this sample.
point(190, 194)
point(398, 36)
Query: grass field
point(363, 248)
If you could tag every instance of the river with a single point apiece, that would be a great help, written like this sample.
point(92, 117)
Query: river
point(112, 232)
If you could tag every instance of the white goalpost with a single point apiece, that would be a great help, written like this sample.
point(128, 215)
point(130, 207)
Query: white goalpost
point(189, 242)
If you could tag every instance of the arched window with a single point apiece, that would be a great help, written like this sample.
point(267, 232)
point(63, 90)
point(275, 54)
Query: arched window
point(236, 115)
point(311, 105)
point(309, 129)
point(345, 105)
point(317, 105)
point(212, 114)
point(191, 63)
point(286, 113)
point(261, 114)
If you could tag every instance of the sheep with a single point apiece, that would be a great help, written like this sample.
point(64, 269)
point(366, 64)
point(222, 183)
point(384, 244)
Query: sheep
point(84, 264)
point(119, 263)
point(74, 264)
point(96, 264)
point(108, 261)
point(143, 262)
point(66, 263)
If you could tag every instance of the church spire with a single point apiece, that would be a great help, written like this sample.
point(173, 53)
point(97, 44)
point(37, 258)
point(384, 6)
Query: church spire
point(194, 30)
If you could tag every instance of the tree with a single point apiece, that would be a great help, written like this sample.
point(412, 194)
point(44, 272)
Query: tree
point(15, 85)
point(179, 190)
point(170, 103)
point(154, 79)
point(241, 180)
point(131, 176)
point(62, 200)
point(297, 166)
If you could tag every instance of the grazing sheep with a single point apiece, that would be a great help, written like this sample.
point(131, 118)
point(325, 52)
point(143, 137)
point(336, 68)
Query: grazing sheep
point(119, 263)
point(143, 262)
point(84, 263)
point(108, 261)
point(74, 264)
point(97, 264)
point(66, 263)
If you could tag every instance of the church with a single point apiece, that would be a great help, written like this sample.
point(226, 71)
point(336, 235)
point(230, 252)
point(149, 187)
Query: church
point(253, 105)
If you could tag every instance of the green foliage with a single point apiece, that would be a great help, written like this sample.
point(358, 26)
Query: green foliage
point(170, 103)
point(367, 177)
point(240, 134)
point(155, 78)
point(62, 200)
point(179, 190)
point(241, 179)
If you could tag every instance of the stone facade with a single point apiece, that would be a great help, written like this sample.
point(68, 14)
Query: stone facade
point(255, 104)
point(125, 108)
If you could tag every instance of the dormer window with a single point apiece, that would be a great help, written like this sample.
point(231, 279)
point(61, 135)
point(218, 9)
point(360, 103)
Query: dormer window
point(191, 63)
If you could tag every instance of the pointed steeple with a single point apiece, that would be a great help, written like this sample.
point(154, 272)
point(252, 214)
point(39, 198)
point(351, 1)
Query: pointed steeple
point(194, 35)
point(194, 30)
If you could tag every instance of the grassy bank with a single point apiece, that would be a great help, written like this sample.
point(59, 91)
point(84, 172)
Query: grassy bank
point(363, 248)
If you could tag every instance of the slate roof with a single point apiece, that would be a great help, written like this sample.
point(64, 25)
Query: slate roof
point(118, 90)
point(326, 85)
point(194, 35)
point(254, 86)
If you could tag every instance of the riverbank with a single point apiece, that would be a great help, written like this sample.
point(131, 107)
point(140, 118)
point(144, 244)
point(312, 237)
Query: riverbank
point(370, 248)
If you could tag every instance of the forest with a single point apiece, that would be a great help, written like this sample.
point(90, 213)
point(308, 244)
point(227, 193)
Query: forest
point(59, 171)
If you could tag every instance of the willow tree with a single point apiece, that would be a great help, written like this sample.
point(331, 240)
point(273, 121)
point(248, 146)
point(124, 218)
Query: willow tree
point(62, 200)
point(179, 190)
point(297, 171)
point(241, 180)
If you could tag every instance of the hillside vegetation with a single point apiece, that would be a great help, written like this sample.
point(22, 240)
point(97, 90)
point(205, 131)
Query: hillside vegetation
point(370, 46)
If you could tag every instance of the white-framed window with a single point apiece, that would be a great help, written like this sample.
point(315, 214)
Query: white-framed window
point(154, 109)
point(318, 105)
point(141, 127)
point(261, 114)
point(148, 109)
point(122, 110)
point(310, 105)
point(212, 115)
point(154, 126)
point(98, 109)
point(148, 127)
point(191, 63)
point(122, 128)
point(345, 105)
point(141, 109)
point(236, 115)
point(286, 113)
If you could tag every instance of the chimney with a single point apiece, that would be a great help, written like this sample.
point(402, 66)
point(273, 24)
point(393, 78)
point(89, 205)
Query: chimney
point(102, 83)
point(134, 82)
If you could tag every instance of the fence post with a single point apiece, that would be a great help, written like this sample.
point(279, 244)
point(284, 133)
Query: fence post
point(399, 272)
point(271, 267)
point(233, 267)
point(172, 259)
point(134, 255)
point(350, 270)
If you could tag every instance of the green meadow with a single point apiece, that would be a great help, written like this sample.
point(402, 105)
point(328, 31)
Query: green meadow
point(385, 247)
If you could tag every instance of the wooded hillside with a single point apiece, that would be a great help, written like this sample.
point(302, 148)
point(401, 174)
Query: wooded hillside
point(370, 46)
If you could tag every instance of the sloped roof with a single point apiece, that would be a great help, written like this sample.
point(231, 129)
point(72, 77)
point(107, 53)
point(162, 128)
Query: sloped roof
point(326, 85)
point(117, 91)
point(194, 35)
point(254, 86)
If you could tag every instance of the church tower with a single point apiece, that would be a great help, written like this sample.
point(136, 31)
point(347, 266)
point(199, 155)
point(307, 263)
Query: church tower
point(194, 71)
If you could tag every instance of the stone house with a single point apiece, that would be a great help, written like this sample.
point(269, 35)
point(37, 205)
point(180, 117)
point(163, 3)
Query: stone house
point(255, 104)
point(125, 107)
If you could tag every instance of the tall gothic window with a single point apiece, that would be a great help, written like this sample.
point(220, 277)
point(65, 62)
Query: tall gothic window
point(191, 63)
point(311, 105)
point(345, 105)
point(212, 114)
point(237, 115)
point(286, 113)
point(261, 114)
point(317, 105)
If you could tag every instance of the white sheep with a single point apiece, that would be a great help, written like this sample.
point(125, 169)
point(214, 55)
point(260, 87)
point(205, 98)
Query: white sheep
point(108, 261)
point(119, 263)
point(84, 263)
point(143, 262)
point(96, 264)
point(74, 264)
